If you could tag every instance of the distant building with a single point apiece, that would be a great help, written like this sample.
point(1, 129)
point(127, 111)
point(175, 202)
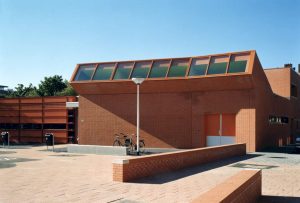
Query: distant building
point(3, 89)
point(28, 119)
point(190, 102)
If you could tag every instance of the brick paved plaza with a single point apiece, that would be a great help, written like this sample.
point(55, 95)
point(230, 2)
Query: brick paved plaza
point(31, 174)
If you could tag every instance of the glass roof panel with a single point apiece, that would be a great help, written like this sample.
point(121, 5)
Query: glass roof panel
point(85, 72)
point(123, 71)
point(218, 65)
point(104, 71)
point(178, 68)
point(238, 63)
point(141, 69)
point(198, 66)
point(159, 69)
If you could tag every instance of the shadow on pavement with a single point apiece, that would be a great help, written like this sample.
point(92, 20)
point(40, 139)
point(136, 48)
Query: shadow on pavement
point(8, 162)
point(175, 175)
point(18, 147)
point(7, 152)
point(288, 149)
point(278, 199)
point(67, 155)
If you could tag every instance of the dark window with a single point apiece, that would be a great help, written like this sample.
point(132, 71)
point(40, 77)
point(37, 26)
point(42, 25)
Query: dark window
point(104, 71)
point(55, 126)
point(36, 126)
point(85, 72)
point(278, 120)
point(31, 126)
point(159, 69)
point(178, 68)
point(294, 90)
point(12, 126)
point(123, 71)
point(141, 70)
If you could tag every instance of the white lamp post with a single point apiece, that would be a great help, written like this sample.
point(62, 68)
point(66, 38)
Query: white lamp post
point(138, 82)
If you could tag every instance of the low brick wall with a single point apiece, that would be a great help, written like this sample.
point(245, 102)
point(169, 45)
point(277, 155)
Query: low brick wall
point(243, 187)
point(138, 167)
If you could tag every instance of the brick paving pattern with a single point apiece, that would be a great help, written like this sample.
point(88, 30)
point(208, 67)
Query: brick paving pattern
point(30, 174)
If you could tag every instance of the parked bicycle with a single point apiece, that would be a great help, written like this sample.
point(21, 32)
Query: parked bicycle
point(123, 140)
point(127, 141)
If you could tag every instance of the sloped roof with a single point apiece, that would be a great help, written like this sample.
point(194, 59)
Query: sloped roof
point(212, 72)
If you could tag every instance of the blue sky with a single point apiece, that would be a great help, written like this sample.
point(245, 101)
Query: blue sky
point(44, 38)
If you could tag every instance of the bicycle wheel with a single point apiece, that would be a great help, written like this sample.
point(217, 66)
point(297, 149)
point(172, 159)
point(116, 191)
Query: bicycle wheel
point(117, 143)
point(142, 146)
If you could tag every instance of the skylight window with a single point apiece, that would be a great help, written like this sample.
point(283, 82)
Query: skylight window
point(178, 68)
point(85, 72)
point(141, 69)
point(199, 66)
point(104, 71)
point(159, 69)
point(123, 71)
point(218, 65)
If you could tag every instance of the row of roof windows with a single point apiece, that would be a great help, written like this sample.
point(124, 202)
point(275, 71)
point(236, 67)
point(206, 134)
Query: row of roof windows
point(163, 68)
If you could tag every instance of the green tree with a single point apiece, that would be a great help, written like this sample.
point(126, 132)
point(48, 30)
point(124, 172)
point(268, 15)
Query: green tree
point(68, 91)
point(51, 86)
point(23, 91)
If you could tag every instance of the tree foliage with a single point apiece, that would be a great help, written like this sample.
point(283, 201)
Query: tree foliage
point(50, 86)
point(23, 91)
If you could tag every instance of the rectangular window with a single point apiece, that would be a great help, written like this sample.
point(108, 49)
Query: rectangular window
point(141, 70)
point(278, 119)
point(178, 68)
point(238, 63)
point(12, 126)
point(85, 72)
point(55, 126)
point(218, 65)
point(294, 90)
point(123, 71)
point(198, 67)
point(104, 71)
point(159, 69)
point(31, 126)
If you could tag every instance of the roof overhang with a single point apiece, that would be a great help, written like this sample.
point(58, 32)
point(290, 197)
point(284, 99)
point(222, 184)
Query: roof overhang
point(218, 83)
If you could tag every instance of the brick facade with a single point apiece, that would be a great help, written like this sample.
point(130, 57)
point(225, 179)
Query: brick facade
point(173, 110)
point(167, 120)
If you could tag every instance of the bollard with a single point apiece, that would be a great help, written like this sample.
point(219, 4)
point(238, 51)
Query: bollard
point(5, 138)
point(49, 140)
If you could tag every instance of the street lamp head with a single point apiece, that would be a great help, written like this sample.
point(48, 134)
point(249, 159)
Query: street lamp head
point(138, 81)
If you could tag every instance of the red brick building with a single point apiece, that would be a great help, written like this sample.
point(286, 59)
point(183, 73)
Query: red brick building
point(189, 102)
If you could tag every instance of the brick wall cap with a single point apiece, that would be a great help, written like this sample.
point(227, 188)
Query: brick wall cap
point(183, 151)
point(120, 161)
point(252, 169)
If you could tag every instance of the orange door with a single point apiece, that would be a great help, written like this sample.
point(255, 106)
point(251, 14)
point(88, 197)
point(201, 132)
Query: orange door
point(219, 129)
